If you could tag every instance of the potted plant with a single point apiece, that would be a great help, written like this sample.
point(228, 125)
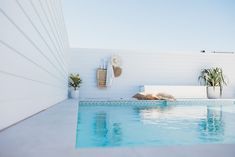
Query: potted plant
point(214, 79)
point(74, 82)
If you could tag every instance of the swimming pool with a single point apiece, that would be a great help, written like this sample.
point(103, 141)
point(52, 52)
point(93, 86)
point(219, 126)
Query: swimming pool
point(154, 123)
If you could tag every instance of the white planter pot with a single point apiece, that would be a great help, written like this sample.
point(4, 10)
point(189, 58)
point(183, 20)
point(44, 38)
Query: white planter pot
point(213, 92)
point(74, 94)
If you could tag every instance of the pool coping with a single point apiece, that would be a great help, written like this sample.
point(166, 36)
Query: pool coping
point(216, 150)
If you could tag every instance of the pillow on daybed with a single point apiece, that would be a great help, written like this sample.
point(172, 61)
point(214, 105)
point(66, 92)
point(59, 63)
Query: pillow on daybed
point(159, 96)
point(141, 96)
point(164, 96)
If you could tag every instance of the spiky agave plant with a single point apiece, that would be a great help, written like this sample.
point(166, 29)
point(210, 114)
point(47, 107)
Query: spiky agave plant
point(213, 77)
point(75, 81)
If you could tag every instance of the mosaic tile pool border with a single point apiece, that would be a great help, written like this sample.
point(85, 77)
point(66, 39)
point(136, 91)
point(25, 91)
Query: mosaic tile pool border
point(155, 102)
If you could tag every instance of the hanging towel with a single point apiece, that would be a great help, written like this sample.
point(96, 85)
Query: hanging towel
point(109, 75)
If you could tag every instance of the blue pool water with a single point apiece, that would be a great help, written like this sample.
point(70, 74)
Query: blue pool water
point(152, 123)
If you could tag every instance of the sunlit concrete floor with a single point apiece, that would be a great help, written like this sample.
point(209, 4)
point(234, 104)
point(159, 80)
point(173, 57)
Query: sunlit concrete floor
point(52, 133)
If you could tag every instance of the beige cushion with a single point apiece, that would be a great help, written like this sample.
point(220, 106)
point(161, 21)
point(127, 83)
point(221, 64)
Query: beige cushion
point(150, 97)
point(139, 96)
point(159, 96)
point(142, 96)
point(165, 96)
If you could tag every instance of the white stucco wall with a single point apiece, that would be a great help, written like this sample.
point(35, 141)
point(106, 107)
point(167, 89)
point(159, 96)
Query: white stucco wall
point(33, 50)
point(147, 68)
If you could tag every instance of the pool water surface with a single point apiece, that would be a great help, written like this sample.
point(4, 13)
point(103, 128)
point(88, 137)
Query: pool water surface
point(154, 123)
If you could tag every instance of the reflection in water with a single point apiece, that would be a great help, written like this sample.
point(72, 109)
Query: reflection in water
point(209, 119)
point(163, 107)
point(116, 134)
point(155, 124)
point(106, 133)
point(212, 127)
point(100, 124)
point(169, 114)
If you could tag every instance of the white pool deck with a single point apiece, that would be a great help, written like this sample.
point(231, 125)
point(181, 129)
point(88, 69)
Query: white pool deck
point(52, 133)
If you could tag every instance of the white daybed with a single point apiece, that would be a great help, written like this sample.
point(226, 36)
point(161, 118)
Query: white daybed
point(179, 92)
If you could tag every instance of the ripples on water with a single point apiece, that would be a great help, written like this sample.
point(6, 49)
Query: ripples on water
point(154, 125)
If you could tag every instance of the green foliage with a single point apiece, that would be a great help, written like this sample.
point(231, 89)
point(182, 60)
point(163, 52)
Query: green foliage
point(213, 77)
point(75, 81)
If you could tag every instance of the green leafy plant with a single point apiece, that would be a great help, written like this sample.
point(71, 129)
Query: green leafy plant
point(75, 81)
point(213, 77)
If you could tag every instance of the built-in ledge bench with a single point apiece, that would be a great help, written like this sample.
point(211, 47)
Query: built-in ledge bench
point(179, 92)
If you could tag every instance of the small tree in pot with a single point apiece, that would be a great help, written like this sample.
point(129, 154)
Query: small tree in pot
point(74, 82)
point(214, 79)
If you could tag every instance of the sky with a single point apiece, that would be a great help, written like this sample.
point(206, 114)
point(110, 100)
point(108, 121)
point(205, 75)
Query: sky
point(159, 25)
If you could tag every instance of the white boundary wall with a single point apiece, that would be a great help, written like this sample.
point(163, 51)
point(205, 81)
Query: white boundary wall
point(147, 68)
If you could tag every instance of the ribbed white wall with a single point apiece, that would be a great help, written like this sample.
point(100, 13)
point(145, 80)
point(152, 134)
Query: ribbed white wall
point(147, 68)
point(33, 58)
